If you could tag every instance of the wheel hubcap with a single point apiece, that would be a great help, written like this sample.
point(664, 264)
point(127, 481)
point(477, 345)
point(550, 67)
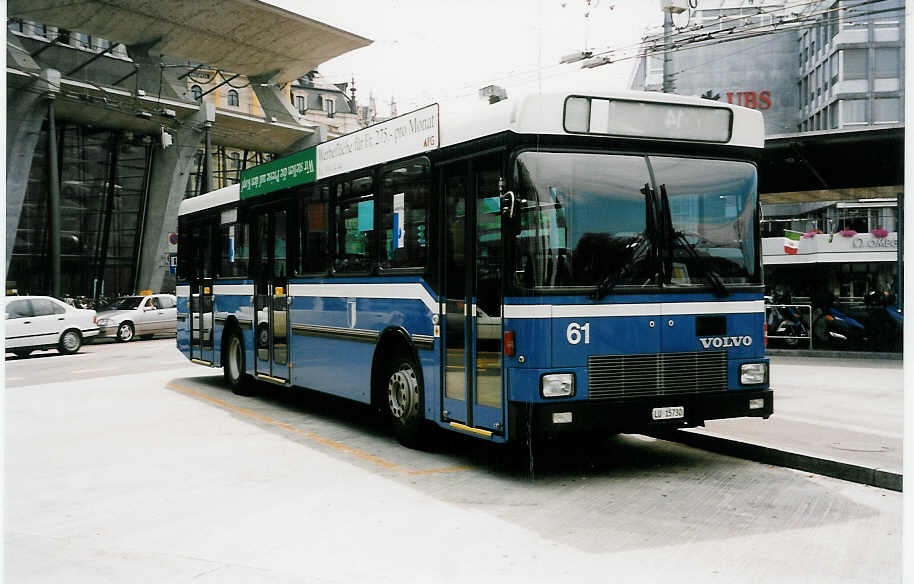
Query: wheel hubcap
point(70, 341)
point(403, 392)
point(126, 333)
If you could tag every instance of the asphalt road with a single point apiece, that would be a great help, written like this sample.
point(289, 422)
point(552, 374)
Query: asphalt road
point(155, 472)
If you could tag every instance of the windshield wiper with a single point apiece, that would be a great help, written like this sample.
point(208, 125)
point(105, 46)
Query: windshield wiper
point(672, 236)
point(720, 289)
point(640, 246)
point(644, 243)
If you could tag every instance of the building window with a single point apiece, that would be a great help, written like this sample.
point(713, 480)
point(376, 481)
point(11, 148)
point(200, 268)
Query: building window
point(81, 40)
point(300, 103)
point(196, 92)
point(834, 68)
point(853, 111)
point(854, 63)
point(887, 110)
point(233, 97)
point(833, 18)
point(833, 116)
point(887, 62)
point(329, 106)
point(234, 160)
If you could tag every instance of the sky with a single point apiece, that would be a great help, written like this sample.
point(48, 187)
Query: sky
point(432, 50)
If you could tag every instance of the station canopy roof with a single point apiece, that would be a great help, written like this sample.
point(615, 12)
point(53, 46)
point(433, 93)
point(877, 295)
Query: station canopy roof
point(824, 162)
point(242, 36)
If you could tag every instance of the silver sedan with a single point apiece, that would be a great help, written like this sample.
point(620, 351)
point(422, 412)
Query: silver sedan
point(143, 316)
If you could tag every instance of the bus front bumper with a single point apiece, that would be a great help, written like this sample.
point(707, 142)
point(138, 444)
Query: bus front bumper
point(638, 415)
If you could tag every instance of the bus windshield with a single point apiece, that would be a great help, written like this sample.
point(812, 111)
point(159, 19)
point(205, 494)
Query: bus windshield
point(590, 218)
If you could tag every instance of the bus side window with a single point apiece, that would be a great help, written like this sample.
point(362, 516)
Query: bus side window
point(315, 231)
point(355, 229)
point(234, 249)
point(406, 193)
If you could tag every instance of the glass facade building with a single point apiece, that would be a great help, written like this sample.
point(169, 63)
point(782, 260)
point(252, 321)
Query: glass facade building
point(103, 178)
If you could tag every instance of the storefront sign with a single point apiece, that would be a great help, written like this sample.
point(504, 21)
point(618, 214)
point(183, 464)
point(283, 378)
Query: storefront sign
point(833, 247)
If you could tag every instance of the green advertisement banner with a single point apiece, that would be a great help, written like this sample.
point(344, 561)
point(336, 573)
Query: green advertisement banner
point(296, 169)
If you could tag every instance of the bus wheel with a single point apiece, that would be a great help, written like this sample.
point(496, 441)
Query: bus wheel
point(404, 397)
point(233, 365)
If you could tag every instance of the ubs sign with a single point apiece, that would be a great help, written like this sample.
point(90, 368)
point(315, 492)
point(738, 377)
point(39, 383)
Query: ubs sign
point(760, 100)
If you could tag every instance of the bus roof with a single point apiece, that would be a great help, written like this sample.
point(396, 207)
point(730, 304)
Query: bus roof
point(625, 114)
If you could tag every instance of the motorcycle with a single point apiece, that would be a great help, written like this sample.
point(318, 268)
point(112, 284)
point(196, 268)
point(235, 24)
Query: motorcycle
point(784, 321)
point(836, 328)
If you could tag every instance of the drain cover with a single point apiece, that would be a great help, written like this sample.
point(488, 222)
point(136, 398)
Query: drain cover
point(860, 446)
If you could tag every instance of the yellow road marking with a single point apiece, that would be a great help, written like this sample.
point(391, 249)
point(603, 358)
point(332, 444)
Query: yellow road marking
point(312, 436)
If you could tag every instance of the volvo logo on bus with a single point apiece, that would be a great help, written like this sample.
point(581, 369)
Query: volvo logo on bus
point(723, 342)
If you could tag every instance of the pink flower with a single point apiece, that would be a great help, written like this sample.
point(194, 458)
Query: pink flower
point(810, 234)
point(879, 232)
point(847, 232)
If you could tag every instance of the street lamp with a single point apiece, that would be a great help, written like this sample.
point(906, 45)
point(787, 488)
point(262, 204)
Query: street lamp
point(669, 8)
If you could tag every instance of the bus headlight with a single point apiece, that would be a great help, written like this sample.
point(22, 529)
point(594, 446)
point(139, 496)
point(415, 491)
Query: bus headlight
point(557, 385)
point(753, 373)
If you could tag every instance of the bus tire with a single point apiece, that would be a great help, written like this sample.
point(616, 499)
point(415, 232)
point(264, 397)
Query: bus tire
point(405, 401)
point(233, 368)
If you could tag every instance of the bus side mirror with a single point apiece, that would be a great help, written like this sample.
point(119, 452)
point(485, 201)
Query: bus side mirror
point(508, 201)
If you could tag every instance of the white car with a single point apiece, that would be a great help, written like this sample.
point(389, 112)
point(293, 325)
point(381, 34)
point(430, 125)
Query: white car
point(41, 322)
point(145, 316)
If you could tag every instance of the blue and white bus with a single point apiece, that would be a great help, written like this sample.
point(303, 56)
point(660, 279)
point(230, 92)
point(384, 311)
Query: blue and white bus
point(555, 262)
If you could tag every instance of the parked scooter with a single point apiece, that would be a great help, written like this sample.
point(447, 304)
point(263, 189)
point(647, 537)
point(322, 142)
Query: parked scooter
point(784, 321)
point(834, 327)
point(885, 322)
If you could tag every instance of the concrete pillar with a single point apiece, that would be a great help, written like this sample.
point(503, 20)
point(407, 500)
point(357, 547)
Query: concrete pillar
point(319, 135)
point(170, 168)
point(277, 107)
point(26, 111)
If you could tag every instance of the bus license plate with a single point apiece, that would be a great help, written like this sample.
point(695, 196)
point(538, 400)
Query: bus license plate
point(670, 413)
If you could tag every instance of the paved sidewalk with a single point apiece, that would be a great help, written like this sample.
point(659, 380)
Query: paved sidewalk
point(838, 417)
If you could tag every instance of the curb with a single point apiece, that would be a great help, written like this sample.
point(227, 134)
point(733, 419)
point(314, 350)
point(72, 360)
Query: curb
point(873, 477)
point(834, 354)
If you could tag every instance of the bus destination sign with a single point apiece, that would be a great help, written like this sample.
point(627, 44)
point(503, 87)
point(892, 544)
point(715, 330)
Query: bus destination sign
point(288, 171)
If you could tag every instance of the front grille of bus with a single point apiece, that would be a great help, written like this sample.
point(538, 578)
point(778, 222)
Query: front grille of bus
point(631, 376)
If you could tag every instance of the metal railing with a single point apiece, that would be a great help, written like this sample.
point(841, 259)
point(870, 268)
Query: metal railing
point(801, 308)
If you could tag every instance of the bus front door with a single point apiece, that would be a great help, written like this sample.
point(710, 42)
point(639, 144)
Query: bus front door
point(201, 320)
point(200, 241)
point(473, 394)
point(271, 298)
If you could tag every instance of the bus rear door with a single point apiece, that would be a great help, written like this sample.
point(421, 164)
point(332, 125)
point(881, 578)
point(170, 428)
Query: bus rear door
point(473, 394)
point(271, 296)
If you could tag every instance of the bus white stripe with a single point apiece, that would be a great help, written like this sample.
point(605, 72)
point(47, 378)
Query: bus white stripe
point(234, 289)
point(410, 291)
point(733, 307)
point(661, 309)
